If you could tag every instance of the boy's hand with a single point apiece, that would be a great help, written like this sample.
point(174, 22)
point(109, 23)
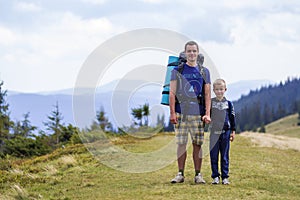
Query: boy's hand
point(206, 119)
point(232, 135)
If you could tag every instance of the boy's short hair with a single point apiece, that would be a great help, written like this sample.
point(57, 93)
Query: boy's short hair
point(191, 43)
point(219, 81)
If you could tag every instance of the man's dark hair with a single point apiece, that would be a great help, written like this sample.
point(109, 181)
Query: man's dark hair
point(191, 43)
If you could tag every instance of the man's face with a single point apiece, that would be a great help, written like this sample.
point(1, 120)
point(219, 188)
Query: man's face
point(191, 53)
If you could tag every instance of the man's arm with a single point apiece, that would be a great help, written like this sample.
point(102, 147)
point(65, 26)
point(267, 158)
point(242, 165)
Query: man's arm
point(207, 97)
point(173, 85)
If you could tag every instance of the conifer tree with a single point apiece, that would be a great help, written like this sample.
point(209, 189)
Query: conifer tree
point(54, 123)
point(5, 122)
point(146, 113)
point(138, 114)
point(102, 120)
point(24, 128)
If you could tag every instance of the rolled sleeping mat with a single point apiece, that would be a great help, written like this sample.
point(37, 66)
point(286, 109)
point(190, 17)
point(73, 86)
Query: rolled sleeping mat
point(172, 62)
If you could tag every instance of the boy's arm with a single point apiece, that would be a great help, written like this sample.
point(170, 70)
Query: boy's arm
point(232, 136)
point(232, 117)
point(232, 121)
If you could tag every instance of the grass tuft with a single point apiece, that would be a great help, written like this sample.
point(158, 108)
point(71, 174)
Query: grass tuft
point(68, 161)
point(21, 193)
point(50, 170)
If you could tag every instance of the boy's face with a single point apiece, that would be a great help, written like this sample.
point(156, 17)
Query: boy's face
point(219, 90)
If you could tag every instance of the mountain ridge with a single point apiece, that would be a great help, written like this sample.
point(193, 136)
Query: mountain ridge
point(40, 105)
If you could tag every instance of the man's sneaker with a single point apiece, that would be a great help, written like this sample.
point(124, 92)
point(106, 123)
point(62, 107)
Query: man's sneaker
point(199, 179)
point(216, 180)
point(225, 181)
point(178, 178)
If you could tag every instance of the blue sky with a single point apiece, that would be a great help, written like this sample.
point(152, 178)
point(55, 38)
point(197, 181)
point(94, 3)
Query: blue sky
point(43, 44)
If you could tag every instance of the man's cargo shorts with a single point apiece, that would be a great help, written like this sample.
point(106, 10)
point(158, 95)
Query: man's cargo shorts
point(191, 124)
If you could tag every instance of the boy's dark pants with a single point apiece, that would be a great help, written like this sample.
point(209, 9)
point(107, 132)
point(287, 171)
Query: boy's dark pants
point(220, 143)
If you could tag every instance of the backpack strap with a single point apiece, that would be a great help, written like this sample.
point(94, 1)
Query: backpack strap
point(231, 116)
point(200, 61)
point(181, 62)
point(179, 75)
point(229, 106)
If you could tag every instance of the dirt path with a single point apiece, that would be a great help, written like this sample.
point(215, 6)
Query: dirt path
point(269, 140)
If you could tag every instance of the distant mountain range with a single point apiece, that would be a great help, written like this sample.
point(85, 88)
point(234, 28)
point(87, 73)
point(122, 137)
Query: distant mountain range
point(117, 98)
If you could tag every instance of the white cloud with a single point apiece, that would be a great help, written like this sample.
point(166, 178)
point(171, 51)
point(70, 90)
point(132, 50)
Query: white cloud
point(8, 57)
point(7, 36)
point(243, 38)
point(95, 2)
point(254, 60)
point(57, 49)
point(27, 7)
point(146, 19)
point(268, 28)
point(65, 35)
point(153, 1)
point(245, 4)
point(73, 34)
point(282, 26)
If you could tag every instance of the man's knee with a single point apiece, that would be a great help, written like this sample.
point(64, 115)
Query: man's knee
point(197, 146)
point(181, 146)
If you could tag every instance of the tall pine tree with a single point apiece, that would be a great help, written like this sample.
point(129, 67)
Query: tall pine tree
point(5, 122)
point(24, 128)
point(54, 123)
point(103, 120)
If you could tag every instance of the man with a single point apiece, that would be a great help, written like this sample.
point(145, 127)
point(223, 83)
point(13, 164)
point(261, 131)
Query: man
point(188, 111)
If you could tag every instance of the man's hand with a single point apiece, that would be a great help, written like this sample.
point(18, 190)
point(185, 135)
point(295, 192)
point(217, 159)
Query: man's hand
point(206, 119)
point(173, 118)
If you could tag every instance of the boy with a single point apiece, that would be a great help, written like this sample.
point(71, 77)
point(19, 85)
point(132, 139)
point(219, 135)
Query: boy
point(222, 132)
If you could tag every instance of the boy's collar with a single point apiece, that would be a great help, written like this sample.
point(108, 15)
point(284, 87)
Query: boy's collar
point(223, 98)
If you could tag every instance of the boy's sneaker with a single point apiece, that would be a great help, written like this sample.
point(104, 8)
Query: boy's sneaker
point(225, 181)
point(178, 178)
point(199, 179)
point(216, 180)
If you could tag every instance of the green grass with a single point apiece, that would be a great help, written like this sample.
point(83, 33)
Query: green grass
point(73, 173)
point(286, 126)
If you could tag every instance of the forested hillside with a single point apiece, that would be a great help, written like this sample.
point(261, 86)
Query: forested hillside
point(268, 104)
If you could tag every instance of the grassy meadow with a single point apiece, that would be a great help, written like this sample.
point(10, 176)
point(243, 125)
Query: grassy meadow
point(286, 126)
point(73, 173)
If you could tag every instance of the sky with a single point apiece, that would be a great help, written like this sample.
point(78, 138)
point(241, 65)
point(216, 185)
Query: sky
point(43, 44)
